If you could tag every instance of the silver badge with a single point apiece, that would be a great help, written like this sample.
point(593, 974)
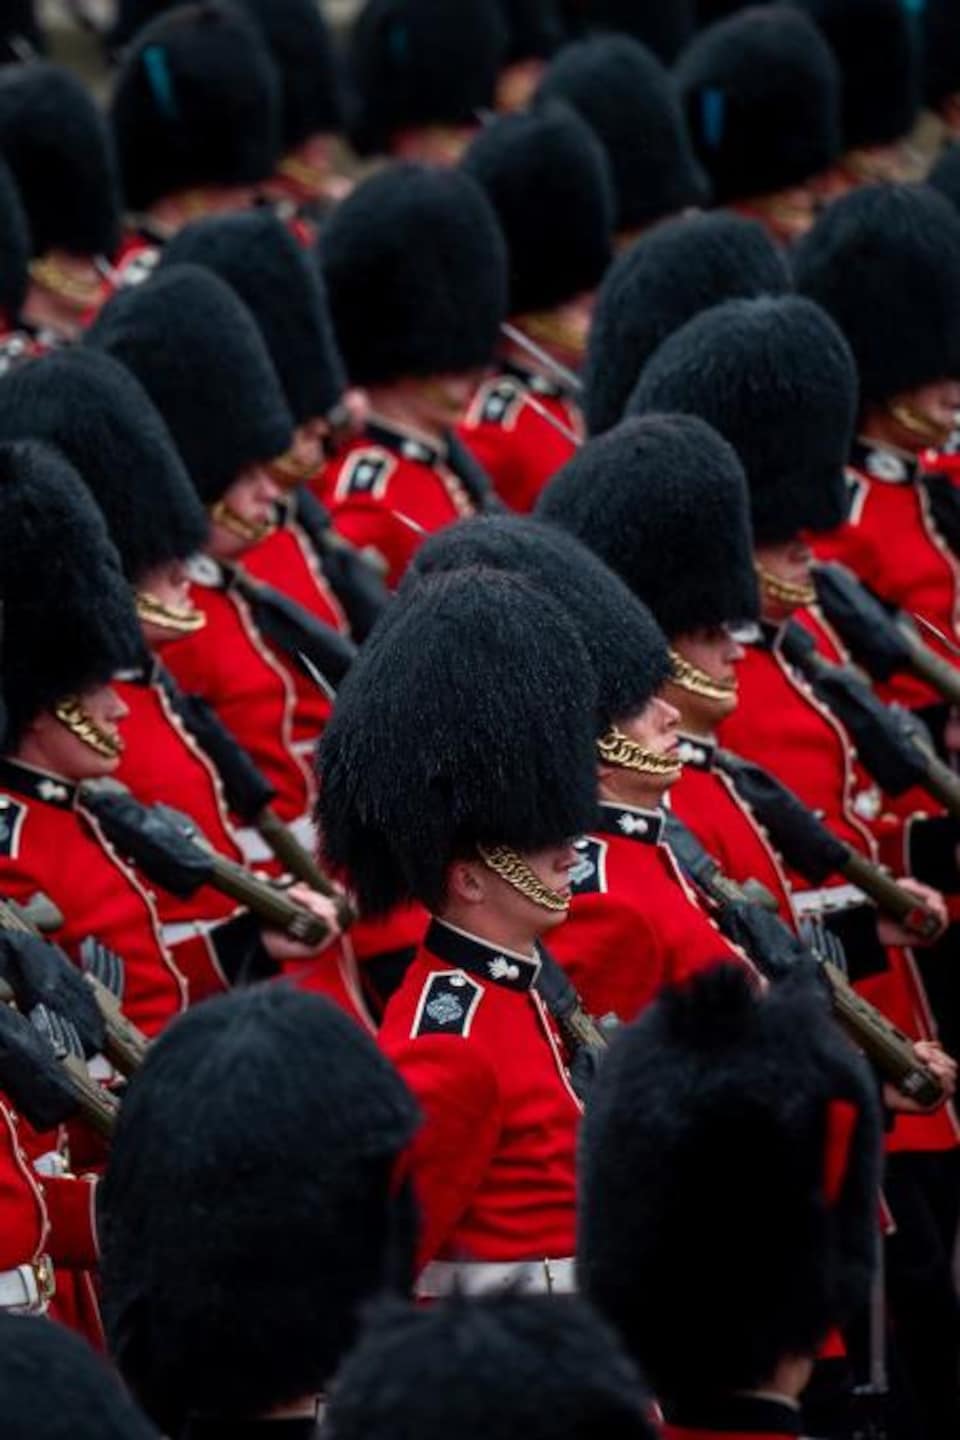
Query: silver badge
point(445, 1009)
point(633, 824)
point(884, 465)
point(501, 969)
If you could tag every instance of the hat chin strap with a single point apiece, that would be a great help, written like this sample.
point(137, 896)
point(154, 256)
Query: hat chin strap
point(290, 471)
point(181, 620)
point(618, 749)
point(512, 868)
point(228, 519)
point(915, 422)
point(785, 591)
point(695, 681)
point(74, 290)
point(71, 713)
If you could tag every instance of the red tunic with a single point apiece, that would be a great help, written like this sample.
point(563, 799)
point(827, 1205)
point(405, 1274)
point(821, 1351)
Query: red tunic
point(634, 925)
point(891, 542)
point(494, 1165)
point(48, 842)
point(388, 490)
point(514, 441)
point(24, 1219)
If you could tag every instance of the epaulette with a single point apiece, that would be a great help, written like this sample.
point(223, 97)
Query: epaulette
point(136, 268)
point(858, 490)
point(366, 473)
point(447, 1005)
point(12, 815)
point(498, 402)
point(589, 874)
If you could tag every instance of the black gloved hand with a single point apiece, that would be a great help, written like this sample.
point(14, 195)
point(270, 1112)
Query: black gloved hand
point(30, 1075)
point(39, 973)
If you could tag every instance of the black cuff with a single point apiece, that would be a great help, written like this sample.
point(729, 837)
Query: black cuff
point(240, 951)
point(932, 852)
point(856, 929)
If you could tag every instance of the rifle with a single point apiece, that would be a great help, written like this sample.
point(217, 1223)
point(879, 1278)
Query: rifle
point(810, 848)
point(893, 744)
point(43, 1071)
point(168, 847)
point(294, 630)
point(887, 1047)
point(585, 1039)
point(353, 578)
point(884, 642)
point(124, 1045)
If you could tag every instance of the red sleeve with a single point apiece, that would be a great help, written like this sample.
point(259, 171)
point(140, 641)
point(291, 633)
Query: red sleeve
point(396, 539)
point(71, 1204)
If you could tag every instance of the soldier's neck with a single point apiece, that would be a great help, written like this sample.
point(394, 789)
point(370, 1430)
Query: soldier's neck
point(628, 787)
point(397, 405)
point(879, 427)
point(503, 933)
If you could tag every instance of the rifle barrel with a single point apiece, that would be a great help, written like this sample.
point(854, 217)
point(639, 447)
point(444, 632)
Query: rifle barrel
point(927, 665)
point(893, 899)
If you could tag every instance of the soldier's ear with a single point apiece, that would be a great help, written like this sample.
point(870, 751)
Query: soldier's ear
point(467, 882)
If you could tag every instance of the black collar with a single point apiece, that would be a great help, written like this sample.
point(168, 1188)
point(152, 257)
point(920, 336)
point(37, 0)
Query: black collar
point(882, 462)
point(37, 784)
point(739, 1414)
point(533, 381)
point(630, 821)
point(404, 444)
point(697, 752)
point(477, 957)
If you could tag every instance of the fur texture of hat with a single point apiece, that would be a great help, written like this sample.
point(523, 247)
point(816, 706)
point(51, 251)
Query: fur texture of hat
point(663, 25)
point(51, 1382)
point(625, 94)
point(15, 247)
point(94, 411)
point(197, 352)
point(877, 44)
point(627, 649)
point(197, 102)
point(941, 51)
point(467, 719)
point(68, 616)
point(489, 1369)
point(884, 261)
point(725, 1224)
point(60, 152)
point(417, 63)
point(534, 28)
point(761, 91)
point(663, 501)
point(776, 378)
point(281, 285)
point(665, 278)
point(549, 181)
point(246, 1210)
point(416, 272)
point(304, 53)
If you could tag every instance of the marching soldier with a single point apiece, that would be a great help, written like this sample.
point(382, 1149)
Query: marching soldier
point(623, 92)
point(762, 96)
point(416, 276)
point(549, 182)
point(449, 779)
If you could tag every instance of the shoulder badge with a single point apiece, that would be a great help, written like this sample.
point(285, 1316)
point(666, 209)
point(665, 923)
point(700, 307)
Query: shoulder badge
point(499, 402)
point(589, 874)
point(857, 492)
point(365, 474)
point(12, 816)
point(447, 1005)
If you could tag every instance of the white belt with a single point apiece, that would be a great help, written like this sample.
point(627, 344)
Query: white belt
point(176, 934)
point(828, 900)
point(27, 1289)
point(255, 849)
point(481, 1277)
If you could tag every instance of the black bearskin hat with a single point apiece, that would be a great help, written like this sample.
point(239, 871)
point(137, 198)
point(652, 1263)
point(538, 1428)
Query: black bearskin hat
point(663, 25)
point(21, 34)
point(941, 51)
point(628, 98)
point(14, 250)
point(877, 44)
point(280, 284)
point(762, 96)
point(534, 28)
point(945, 175)
point(472, 723)
point(416, 272)
point(303, 51)
point(663, 501)
point(665, 278)
point(884, 261)
point(197, 352)
point(197, 102)
point(246, 1212)
point(68, 618)
point(58, 147)
point(94, 411)
point(730, 1171)
point(130, 16)
point(417, 63)
point(549, 182)
point(776, 379)
point(493, 1368)
point(52, 1384)
point(627, 649)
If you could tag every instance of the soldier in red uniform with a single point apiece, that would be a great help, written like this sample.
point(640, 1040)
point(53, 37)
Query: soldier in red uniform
point(416, 276)
point(623, 91)
point(550, 184)
point(449, 779)
point(885, 263)
point(762, 97)
point(665, 278)
point(54, 138)
point(730, 1173)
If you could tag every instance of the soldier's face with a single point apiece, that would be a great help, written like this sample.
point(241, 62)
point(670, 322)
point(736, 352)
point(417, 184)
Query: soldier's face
point(51, 745)
point(792, 565)
point(498, 904)
point(436, 403)
point(655, 729)
point(715, 653)
point(169, 585)
point(927, 415)
point(251, 498)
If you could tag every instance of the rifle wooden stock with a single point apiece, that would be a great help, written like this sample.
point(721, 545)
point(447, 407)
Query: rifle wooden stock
point(927, 665)
point(272, 905)
point(939, 780)
point(890, 1050)
point(300, 863)
point(890, 897)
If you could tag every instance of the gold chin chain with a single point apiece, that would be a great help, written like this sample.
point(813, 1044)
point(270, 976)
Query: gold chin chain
point(78, 291)
point(311, 177)
point(72, 714)
point(184, 620)
point(547, 328)
point(514, 869)
point(785, 591)
point(248, 530)
point(698, 682)
point(618, 749)
point(290, 471)
point(919, 424)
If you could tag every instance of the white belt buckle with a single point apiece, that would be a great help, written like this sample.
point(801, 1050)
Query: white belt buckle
point(27, 1289)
